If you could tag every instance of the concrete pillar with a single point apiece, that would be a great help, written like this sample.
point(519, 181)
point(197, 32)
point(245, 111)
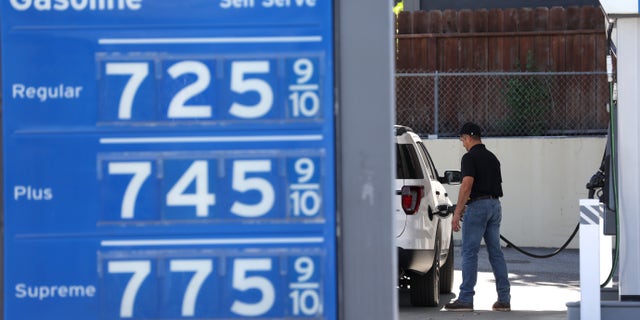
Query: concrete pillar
point(628, 137)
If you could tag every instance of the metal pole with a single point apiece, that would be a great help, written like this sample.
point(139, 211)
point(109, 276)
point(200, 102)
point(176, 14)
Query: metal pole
point(366, 94)
point(627, 136)
point(436, 100)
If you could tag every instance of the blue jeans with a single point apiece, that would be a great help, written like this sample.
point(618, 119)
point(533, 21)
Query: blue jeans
point(482, 220)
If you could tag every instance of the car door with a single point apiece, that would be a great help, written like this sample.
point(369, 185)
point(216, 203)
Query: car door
point(408, 173)
point(440, 197)
point(438, 192)
point(430, 191)
point(424, 224)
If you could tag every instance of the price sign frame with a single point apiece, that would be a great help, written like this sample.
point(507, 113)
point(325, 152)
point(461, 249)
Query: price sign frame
point(168, 161)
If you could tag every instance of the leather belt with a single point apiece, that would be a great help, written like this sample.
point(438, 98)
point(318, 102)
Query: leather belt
point(482, 198)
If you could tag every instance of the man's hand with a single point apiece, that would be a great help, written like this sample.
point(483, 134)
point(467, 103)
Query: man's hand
point(463, 196)
point(457, 217)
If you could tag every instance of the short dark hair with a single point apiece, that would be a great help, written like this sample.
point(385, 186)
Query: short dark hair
point(471, 129)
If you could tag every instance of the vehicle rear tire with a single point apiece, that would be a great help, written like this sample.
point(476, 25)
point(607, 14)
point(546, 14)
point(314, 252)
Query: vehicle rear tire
point(446, 274)
point(425, 288)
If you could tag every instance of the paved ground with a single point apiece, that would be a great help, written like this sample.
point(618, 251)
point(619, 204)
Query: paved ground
point(540, 288)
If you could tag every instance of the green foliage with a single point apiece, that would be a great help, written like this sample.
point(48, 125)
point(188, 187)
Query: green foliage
point(399, 7)
point(529, 102)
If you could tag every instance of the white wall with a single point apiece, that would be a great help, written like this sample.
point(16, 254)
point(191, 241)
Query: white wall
point(543, 181)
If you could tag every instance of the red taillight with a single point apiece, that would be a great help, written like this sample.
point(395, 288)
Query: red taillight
point(411, 196)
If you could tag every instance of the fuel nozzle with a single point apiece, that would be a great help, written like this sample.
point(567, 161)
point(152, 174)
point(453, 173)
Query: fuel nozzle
point(596, 182)
point(445, 210)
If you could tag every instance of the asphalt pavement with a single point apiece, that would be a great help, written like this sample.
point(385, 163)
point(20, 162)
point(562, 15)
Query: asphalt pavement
point(540, 288)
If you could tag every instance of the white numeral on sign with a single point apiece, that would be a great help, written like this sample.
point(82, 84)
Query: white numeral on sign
point(201, 199)
point(244, 279)
point(243, 282)
point(140, 270)
point(245, 80)
point(305, 168)
point(305, 103)
point(304, 97)
point(140, 172)
point(192, 188)
point(304, 294)
point(306, 199)
point(202, 269)
point(243, 184)
point(306, 202)
point(138, 72)
point(239, 84)
point(305, 267)
point(303, 68)
point(178, 107)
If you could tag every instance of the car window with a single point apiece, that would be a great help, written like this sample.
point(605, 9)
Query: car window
point(407, 162)
point(431, 169)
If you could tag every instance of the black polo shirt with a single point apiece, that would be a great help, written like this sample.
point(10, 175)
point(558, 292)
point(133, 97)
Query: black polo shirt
point(484, 167)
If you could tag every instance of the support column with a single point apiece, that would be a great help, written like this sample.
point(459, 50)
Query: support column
point(628, 137)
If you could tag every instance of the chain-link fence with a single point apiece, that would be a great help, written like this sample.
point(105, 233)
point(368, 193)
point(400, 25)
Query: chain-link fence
point(504, 104)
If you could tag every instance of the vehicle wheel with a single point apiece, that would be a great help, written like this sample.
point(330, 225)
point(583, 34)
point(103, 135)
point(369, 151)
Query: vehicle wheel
point(446, 274)
point(425, 288)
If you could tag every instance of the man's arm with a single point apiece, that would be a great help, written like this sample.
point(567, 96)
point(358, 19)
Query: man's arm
point(463, 196)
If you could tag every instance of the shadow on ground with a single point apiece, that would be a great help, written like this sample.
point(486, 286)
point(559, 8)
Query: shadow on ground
point(540, 288)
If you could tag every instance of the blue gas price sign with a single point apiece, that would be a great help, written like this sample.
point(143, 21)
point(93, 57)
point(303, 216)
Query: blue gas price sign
point(168, 159)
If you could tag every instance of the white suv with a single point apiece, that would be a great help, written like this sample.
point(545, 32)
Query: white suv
point(422, 221)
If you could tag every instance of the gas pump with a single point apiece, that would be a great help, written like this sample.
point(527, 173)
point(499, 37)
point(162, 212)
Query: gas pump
point(623, 168)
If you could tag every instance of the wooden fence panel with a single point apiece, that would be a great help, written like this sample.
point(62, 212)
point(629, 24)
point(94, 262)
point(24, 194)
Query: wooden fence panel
point(557, 22)
point(525, 26)
point(542, 42)
point(541, 32)
point(573, 18)
point(480, 44)
point(495, 45)
point(465, 44)
point(420, 46)
point(512, 43)
point(556, 40)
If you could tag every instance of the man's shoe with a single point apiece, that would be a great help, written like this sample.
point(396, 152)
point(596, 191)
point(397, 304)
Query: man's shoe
point(459, 306)
point(501, 306)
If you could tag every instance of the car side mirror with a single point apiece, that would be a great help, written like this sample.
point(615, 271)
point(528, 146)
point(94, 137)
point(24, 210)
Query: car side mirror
point(452, 177)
